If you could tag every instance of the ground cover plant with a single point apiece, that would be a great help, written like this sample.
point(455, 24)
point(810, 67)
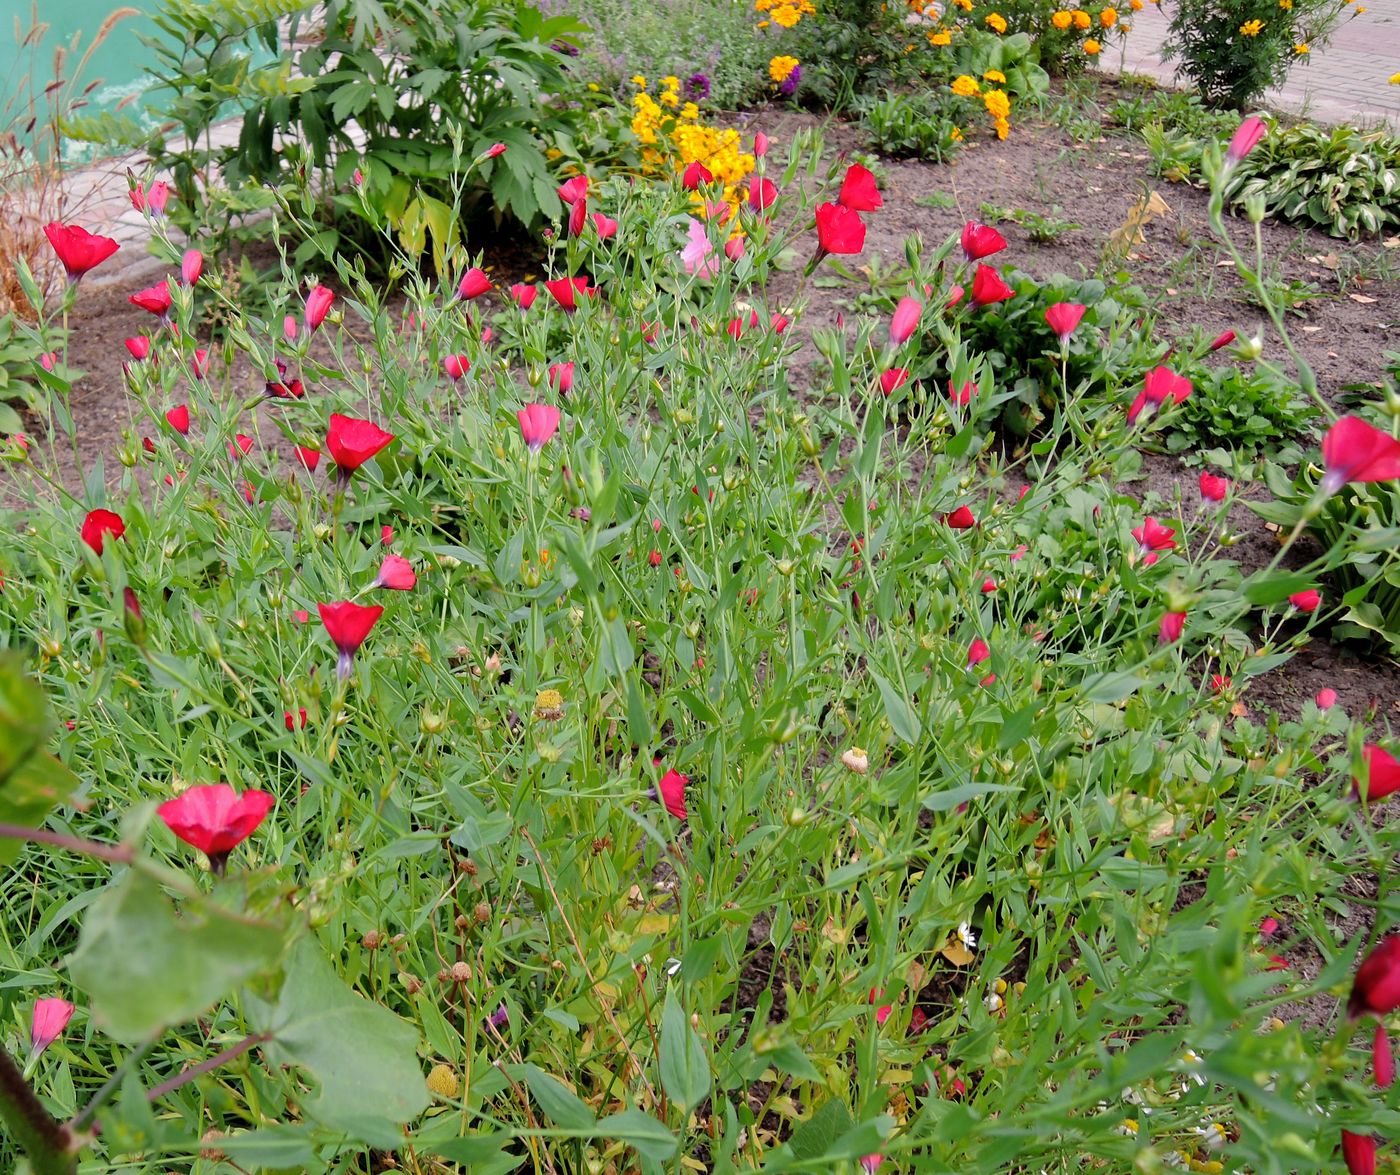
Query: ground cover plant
point(526, 731)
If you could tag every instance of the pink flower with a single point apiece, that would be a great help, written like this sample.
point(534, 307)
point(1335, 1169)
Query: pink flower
point(1268, 928)
point(1170, 628)
point(152, 199)
point(1158, 386)
point(574, 190)
point(309, 458)
point(696, 176)
point(566, 290)
point(1152, 537)
point(523, 295)
point(760, 145)
point(895, 377)
point(1064, 318)
point(474, 283)
point(154, 300)
point(179, 419)
point(988, 288)
point(978, 652)
point(989, 585)
point(1213, 488)
point(538, 422)
point(191, 266)
point(561, 378)
point(215, 819)
point(1244, 140)
point(50, 1018)
point(672, 789)
point(290, 328)
point(980, 240)
point(48, 360)
point(734, 248)
point(318, 304)
point(199, 362)
point(396, 573)
point(606, 226)
point(840, 230)
point(1326, 698)
point(456, 366)
point(905, 320)
point(386, 535)
point(1382, 1058)
point(1307, 601)
point(1359, 1153)
point(779, 323)
point(871, 1163)
point(494, 150)
point(1382, 774)
point(698, 254)
point(1354, 451)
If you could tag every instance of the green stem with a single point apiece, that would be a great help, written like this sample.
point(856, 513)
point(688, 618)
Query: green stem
point(40, 1135)
point(84, 1118)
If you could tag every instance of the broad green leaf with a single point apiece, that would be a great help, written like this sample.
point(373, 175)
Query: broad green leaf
point(361, 1056)
point(563, 1108)
point(24, 719)
point(815, 1137)
point(642, 1132)
point(1264, 588)
point(685, 1070)
point(275, 1147)
point(1110, 687)
point(903, 721)
point(481, 1154)
point(147, 966)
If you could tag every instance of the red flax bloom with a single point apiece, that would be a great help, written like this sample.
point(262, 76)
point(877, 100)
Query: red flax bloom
point(696, 176)
point(1359, 1151)
point(215, 819)
point(1064, 318)
point(578, 213)
point(762, 193)
point(895, 377)
point(348, 624)
point(1376, 987)
point(523, 295)
point(179, 419)
point(98, 524)
point(980, 240)
point(858, 190)
point(50, 1018)
point(573, 190)
point(1382, 775)
point(565, 291)
point(906, 320)
point(961, 519)
point(1152, 537)
point(191, 266)
point(988, 288)
point(561, 377)
point(456, 366)
point(839, 230)
point(1158, 386)
point(352, 441)
point(318, 304)
point(672, 790)
point(1170, 628)
point(155, 300)
point(1213, 488)
point(1244, 140)
point(606, 226)
point(1354, 451)
point(474, 283)
point(396, 573)
point(1382, 1058)
point(1307, 601)
point(538, 422)
point(78, 249)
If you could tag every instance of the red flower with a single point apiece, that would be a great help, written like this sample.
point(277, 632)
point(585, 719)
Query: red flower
point(1170, 627)
point(348, 624)
point(538, 422)
point(215, 819)
point(882, 1013)
point(760, 145)
point(734, 248)
point(523, 295)
point(199, 362)
point(672, 788)
point(474, 283)
point(179, 419)
point(153, 198)
point(963, 396)
point(1244, 140)
point(191, 266)
point(1382, 1058)
point(1220, 682)
point(456, 366)
point(1064, 318)
point(494, 150)
point(977, 652)
point(1222, 340)
point(1158, 386)
point(989, 585)
point(78, 249)
point(980, 240)
point(156, 299)
point(606, 226)
point(895, 377)
point(97, 525)
point(1382, 773)
point(1376, 988)
point(561, 378)
point(50, 1018)
point(386, 535)
point(1326, 698)
point(138, 347)
point(352, 441)
point(396, 573)
point(291, 722)
point(1353, 450)
point(696, 176)
point(762, 193)
point(961, 519)
point(1359, 1151)
point(858, 190)
point(308, 457)
point(988, 288)
point(839, 230)
point(1306, 601)
point(905, 320)
point(654, 558)
point(240, 446)
point(565, 291)
point(779, 323)
point(1214, 489)
point(1152, 537)
point(573, 190)
point(318, 304)
point(955, 295)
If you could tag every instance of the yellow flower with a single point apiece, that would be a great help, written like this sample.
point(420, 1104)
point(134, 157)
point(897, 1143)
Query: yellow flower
point(763, 24)
point(1251, 28)
point(780, 67)
point(1082, 20)
point(956, 133)
point(1395, 79)
point(964, 86)
point(1061, 20)
point(668, 98)
point(1108, 18)
point(690, 111)
point(965, 5)
point(594, 87)
point(638, 80)
point(1092, 47)
point(1003, 128)
point(549, 705)
point(994, 75)
point(786, 15)
point(1135, 5)
point(1285, 4)
point(671, 83)
point(1360, 8)
point(443, 1081)
point(1300, 48)
point(997, 103)
point(942, 37)
point(996, 22)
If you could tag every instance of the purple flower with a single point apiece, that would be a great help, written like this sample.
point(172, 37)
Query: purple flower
point(565, 47)
point(697, 87)
point(789, 84)
point(499, 1018)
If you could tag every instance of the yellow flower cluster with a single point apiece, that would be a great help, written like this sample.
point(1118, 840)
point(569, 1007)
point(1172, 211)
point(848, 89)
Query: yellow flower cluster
point(1251, 28)
point(784, 13)
point(965, 86)
point(781, 67)
point(996, 22)
point(673, 140)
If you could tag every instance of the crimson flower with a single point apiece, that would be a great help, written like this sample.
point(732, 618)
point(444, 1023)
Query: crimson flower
point(1152, 537)
point(1222, 340)
point(696, 176)
point(348, 624)
point(963, 396)
point(1064, 318)
point(858, 190)
point(1158, 386)
point(980, 240)
point(240, 446)
point(352, 441)
point(494, 150)
point(1307, 601)
point(1326, 698)
point(1213, 488)
point(97, 525)
point(988, 288)
point(565, 291)
point(763, 192)
point(1382, 774)
point(291, 722)
point(50, 1018)
point(309, 458)
point(152, 199)
point(961, 519)
point(1353, 450)
point(672, 789)
point(779, 322)
point(179, 419)
point(871, 1163)
point(1359, 1151)
point(155, 300)
point(1376, 986)
point(215, 819)
point(561, 378)
point(895, 377)
point(523, 295)
point(396, 573)
point(606, 226)
point(474, 283)
point(573, 190)
point(199, 362)
point(456, 366)
point(1382, 1058)
point(977, 652)
point(1244, 140)
point(191, 266)
point(905, 320)
point(78, 250)
point(760, 145)
point(538, 422)
point(839, 230)
point(578, 212)
point(1170, 627)
point(318, 304)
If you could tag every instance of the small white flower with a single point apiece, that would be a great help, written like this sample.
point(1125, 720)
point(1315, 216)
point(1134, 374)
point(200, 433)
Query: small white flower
point(969, 940)
point(1213, 1135)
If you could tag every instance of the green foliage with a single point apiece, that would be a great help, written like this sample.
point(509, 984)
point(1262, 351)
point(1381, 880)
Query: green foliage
point(1231, 67)
point(1040, 228)
point(1250, 410)
point(918, 125)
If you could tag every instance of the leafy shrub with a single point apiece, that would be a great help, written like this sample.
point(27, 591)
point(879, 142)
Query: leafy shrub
point(1232, 53)
point(918, 125)
point(1065, 38)
point(1250, 410)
